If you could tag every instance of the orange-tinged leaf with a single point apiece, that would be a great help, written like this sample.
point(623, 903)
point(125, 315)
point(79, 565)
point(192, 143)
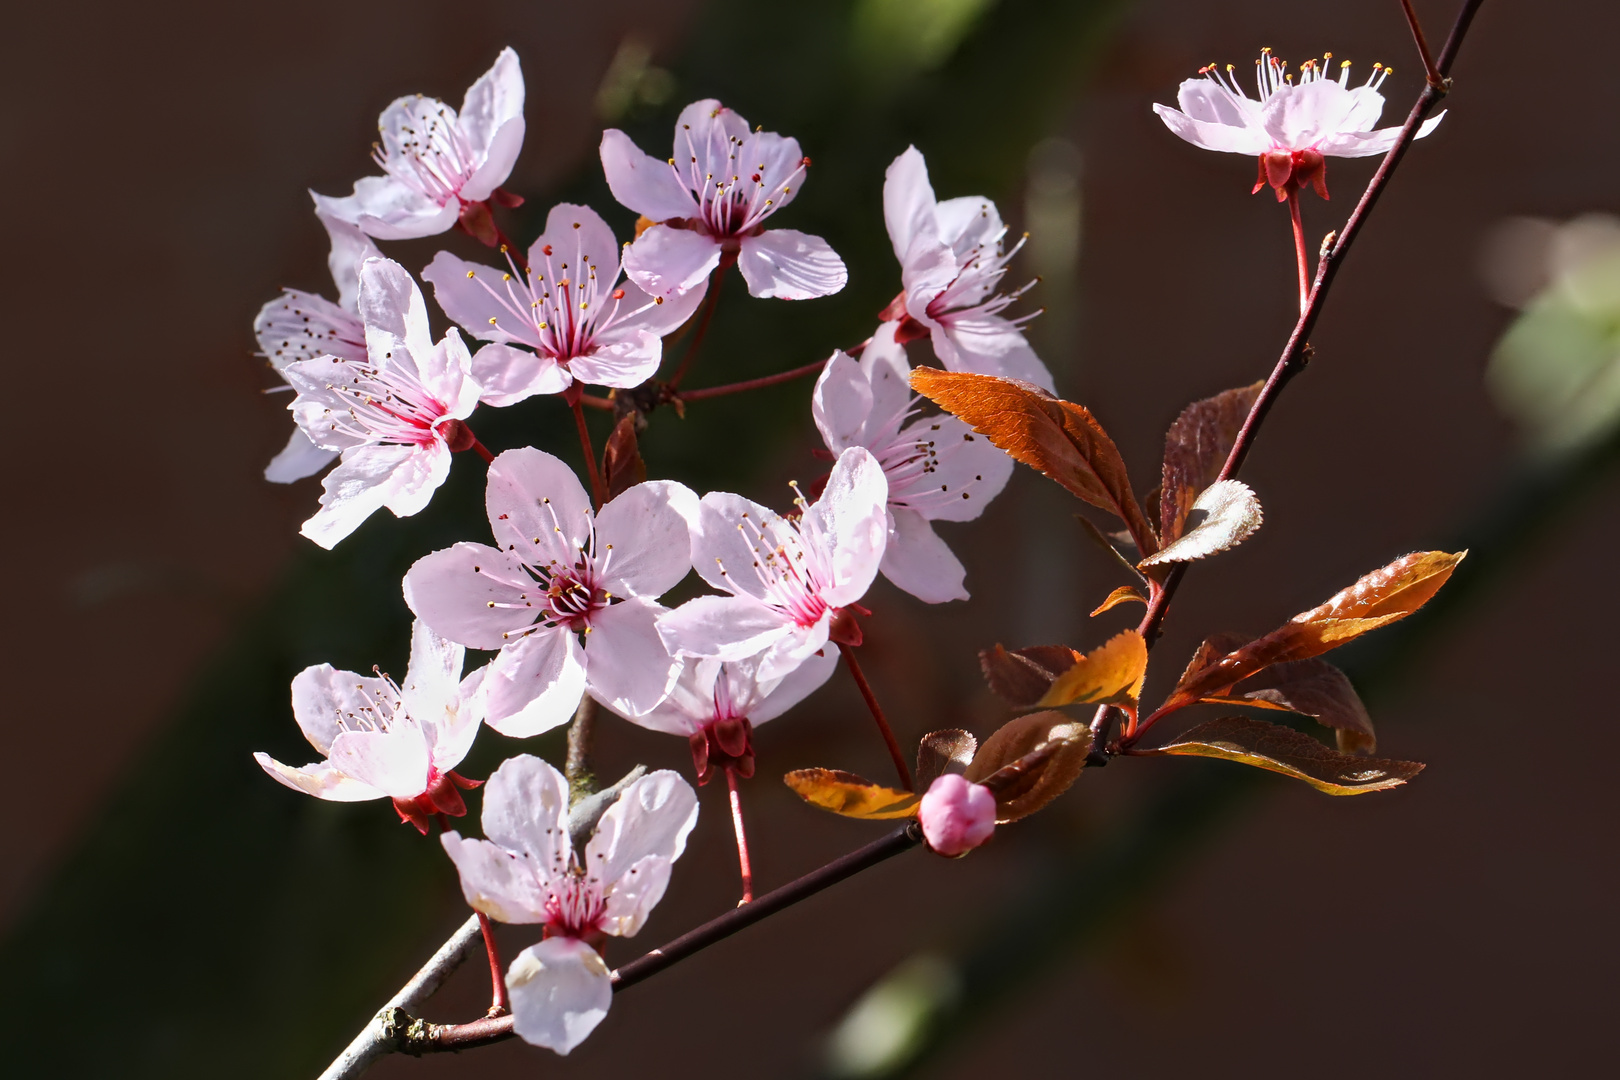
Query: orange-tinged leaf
point(1223, 516)
point(1291, 753)
point(1378, 599)
point(1110, 675)
point(939, 750)
point(1023, 677)
point(1313, 688)
point(850, 795)
point(1195, 450)
point(1030, 761)
point(1121, 595)
point(1058, 438)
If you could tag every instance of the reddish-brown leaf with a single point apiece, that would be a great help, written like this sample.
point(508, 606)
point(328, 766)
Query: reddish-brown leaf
point(1313, 688)
point(939, 750)
point(850, 795)
point(1055, 437)
point(622, 467)
point(1195, 450)
point(1023, 677)
point(1284, 750)
point(1378, 599)
point(1031, 761)
point(1121, 595)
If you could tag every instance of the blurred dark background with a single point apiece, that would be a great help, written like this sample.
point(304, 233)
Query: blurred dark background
point(170, 912)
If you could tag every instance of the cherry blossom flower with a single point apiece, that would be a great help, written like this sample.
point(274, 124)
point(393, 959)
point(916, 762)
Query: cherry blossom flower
point(529, 872)
point(716, 704)
point(566, 304)
point(298, 325)
point(936, 467)
point(1293, 127)
point(567, 596)
point(395, 414)
point(951, 261)
point(382, 740)
point(709, 203)
point(956, 816)
point(788, 577)
point(438, 164)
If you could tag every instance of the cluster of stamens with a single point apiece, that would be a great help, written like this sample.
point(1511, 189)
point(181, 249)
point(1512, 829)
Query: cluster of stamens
point(910, 462)
point(301, 328)
point(730, 204)
point(433, 155)
point(565, 596)
point(973, 290)
point(1272, 74)
point(387, 405)
point(790, 569)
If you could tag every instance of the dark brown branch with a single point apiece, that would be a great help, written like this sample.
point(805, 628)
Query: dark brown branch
point(577, 763)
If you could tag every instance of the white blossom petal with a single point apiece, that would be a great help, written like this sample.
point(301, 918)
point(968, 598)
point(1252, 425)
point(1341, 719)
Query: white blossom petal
point(560, 990)
point(626, 663)
point(919, 562)
point(666, 261)
point(650, 818)
point(472, 594)
point(495, 881)
point(647, 529)
point(790, 265)
point(641, 182)
point(300, 458)
point(320, 780)
point(535, 684)
point(537, 508)
point(526, 812)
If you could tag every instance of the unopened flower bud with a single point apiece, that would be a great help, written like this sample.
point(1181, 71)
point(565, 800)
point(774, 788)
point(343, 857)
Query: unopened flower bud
point(956, 816)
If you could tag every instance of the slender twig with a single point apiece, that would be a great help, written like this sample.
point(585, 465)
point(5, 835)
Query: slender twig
point(1430, 72)
point(753, 384)
point(1296, 353)
point(591, 401)
point(1299, 249)
point(598, 492)
point(577, 764)
point(709, 303)
point(428, 1038)
point(877, 714)
point(744, 864)
point(497, 978)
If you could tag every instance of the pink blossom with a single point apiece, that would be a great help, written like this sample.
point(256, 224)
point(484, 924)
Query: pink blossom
point(567, 596)
point(298, 325)
point(710, 201)
point(716, 704)
point(566, 305)
point(787, 577)
point(436, 161)
point(529, 872)
point(382, 740)
point(956, 816)
point(393, 414)
point(936, 467)
point(1293, 126)
point(951, 262)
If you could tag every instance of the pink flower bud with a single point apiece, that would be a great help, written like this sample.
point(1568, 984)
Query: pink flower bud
point(957, 816)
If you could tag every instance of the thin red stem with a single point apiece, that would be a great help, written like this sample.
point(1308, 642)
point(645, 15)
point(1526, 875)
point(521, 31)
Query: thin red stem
point(1299, 249)
point(497, 979)
point(598, 493)
point(1430, 72)
point(743, 864)
point(889, 740)
point(753, 384)
point(709, 303)
point(483, 451)
point(591, 401)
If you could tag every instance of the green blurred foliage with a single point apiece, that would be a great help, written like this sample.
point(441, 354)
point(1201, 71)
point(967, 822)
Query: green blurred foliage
point(211, 916)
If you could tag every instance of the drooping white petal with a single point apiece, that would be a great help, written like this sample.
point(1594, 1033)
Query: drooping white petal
point(651, 817)
point(560, 990)
point(633, 897)
point(410, 486)
point(641, 182)
point(790, 265)
point(535, 684)
point(626, 662)
point(508, 376)
point(472, 594)
point(908, 202)
point(1213, 136)
point(433, 677)
point(325, 698)
point(787, 690)
point(538, 510)
point(647, 529)
point(526, 811)
point(919, 562)
point(666, 261)
point(841, 402)
point(394, 762)
point(321, 780)
point(496, 882)
point(300, 458)
point(368, 478)
point(724, 627)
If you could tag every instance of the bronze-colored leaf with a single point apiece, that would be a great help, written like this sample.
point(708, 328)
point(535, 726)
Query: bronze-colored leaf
point(622, 466)
point(850, 795)
point(1378, 599)
point(1313, 688)
point(1110, 675)
point(939, 750)
point(1223, 516)
point(1195, 451)
point(1030, 761)
point(1023, 677)
point(1119, 596)
point(1210, 650)
point(1284, 750)
point(1055, 437)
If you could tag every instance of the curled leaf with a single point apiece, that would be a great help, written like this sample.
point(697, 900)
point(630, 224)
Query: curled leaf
point(1313, 688)
point(850, 795)
point(1096, 536)
point(1195, 451)
point(1121, 595)
point(1230, 515)
point(1023, 677)
point(1057, 438)
point(1289, 752)
point(1030, 761)
point(1110, 675)
point(1378, 599)
point(939, 750)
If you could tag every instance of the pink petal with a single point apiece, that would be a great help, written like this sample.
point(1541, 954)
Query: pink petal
point(790, 265)
point(908, 202)
point(502, 154)
point(538, 511)
point(300, 458)
point(852, 519)
point(1222, 137)
point(631, 900)
point(509, 375)
point(350, 248)
point(323, 695)
point(666, 261)
point(988, 345)
point(492, 101)
point(794, 686)
point(394, 762)
point(535, 684)
point(721, 553)
point(560, 990)
point(320, 780)
point(472, 594)
point(471, 302)
point(648, 531)
point(502, 887)
point(650, 819)
point(956, 816)
point(841, 402)
point(526, 812)
point(967, 473)
point(626, 663)
point(724, 627)
point(918, 561)
point(368, 478)
point(624, 364)
point(642, 182)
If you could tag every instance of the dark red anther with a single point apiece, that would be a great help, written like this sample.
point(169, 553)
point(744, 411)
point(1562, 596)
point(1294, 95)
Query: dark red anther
point(457, 435)
point(618, 294)
point(546, 250)
point(805, 162)
point(755, 178)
